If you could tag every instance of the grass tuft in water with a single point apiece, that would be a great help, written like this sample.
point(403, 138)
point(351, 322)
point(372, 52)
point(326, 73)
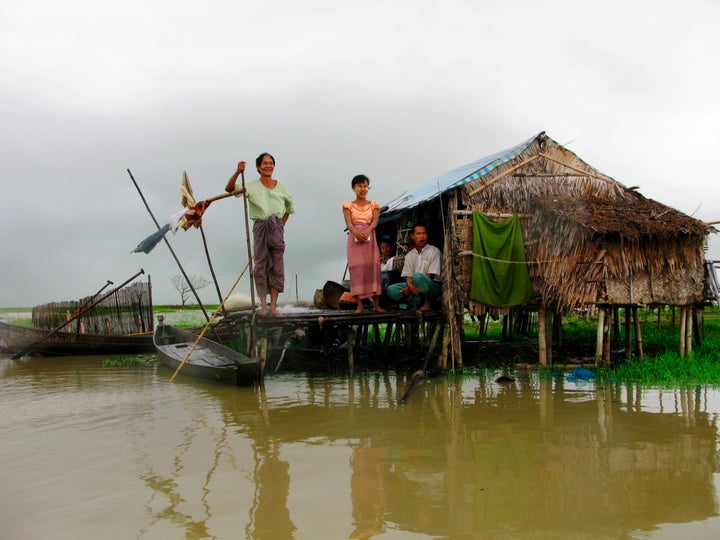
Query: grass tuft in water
point(129, 361)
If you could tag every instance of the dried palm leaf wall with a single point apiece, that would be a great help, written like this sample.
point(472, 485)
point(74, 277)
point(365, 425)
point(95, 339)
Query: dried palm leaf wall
point(588, 238)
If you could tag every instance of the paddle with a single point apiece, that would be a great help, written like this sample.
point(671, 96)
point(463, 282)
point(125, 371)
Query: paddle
point(202, 333)
point(77, 314)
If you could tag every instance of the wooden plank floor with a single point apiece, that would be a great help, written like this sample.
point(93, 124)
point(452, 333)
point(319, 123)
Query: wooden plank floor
point(326, 330)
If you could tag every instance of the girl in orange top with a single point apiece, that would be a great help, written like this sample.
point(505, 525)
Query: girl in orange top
point(361, 218)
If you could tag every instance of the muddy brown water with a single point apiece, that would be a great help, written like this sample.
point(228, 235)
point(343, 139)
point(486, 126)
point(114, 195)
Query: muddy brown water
point(89, 451)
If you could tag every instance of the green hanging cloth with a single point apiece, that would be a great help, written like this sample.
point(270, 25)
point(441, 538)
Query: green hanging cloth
point(494, 281)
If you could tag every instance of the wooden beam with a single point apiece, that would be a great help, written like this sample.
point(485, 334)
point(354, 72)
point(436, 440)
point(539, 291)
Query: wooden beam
point(549, 175)
point(499, 176)
point(571, 167)
point(490, 214)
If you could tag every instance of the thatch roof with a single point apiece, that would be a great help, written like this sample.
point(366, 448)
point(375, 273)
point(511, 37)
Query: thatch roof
point(632, 216)
point(588, 237)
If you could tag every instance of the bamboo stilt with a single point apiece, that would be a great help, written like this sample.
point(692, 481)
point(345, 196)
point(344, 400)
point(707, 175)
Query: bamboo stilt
point(628, 334)
point(542, 340)
point(263, 356)
point(433, 344)
point(549, 324)
point(599, 338)
point(442, 357)
point(683, 317)
point(638, 335)
point(689, 332)
point(352, 331)
point(607, 349)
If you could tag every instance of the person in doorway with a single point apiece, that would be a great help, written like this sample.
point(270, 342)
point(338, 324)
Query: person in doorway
point(270, 205)
point(421, 272)
point(386, 255)
point(363, 256)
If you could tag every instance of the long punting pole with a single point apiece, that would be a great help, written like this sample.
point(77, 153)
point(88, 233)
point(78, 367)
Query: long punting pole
point(247, 238)
point(205, 245)
point(212, 270)
point(94, 296)
point(202, 333)
point(167, 243)
point(77, 314)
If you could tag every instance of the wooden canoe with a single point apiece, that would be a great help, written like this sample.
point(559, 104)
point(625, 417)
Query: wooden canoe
point(17, 338)
point(208, 360)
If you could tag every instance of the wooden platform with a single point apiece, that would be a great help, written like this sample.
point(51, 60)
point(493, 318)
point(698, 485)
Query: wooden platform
point(327, 332)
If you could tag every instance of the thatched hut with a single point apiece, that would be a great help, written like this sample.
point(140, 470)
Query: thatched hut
point(589, 241)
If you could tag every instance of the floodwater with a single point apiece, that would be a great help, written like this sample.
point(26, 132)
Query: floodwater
point(89, 451)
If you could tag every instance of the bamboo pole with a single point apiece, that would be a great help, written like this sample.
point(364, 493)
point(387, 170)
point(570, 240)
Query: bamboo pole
point(607, 349)
point(599, 336)
point(187, 203)
point(683, 317)
point(172, 251)
point(352, 331)
point(263, 356)
point(689, 332)
point(207, 325)
point(247, 239)
point(638, 335)
point(444, 349)
point(80, 312)
point(542, 338)
point(585, 173)
point(628, 333)
point(549, 323)
point(505, 173)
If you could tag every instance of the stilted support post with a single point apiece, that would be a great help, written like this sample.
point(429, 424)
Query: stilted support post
point(628, 333)
point(549, 325)
point(263, 356)
point(352, 331)
point(599, 338)
point(606, 337)
point(542, 337)
point(689, 330)
point(683, 330)
point(638, 335)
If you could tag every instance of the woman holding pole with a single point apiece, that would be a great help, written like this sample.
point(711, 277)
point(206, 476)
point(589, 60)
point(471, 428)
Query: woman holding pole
point(270, 205)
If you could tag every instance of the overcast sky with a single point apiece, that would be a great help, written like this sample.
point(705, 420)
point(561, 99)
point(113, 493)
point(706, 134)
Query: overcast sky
point(399, 90)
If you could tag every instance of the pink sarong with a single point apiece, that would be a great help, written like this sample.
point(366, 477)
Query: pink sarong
point(364, 264)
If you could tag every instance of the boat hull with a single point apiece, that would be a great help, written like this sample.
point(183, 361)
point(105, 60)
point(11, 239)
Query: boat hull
point(208, 359)
point(18, 338)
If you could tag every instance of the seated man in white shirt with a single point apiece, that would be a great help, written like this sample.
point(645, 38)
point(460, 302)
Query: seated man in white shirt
point(421, 272)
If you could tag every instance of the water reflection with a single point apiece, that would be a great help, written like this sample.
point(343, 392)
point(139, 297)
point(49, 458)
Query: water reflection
point(339, 458)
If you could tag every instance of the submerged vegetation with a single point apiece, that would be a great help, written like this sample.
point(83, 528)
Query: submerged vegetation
point(129, 361)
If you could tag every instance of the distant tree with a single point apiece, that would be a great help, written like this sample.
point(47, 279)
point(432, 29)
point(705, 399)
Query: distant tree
point(183, 287)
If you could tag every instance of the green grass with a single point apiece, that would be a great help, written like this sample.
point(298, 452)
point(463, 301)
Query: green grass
point(661, 366)
point(129, 361)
